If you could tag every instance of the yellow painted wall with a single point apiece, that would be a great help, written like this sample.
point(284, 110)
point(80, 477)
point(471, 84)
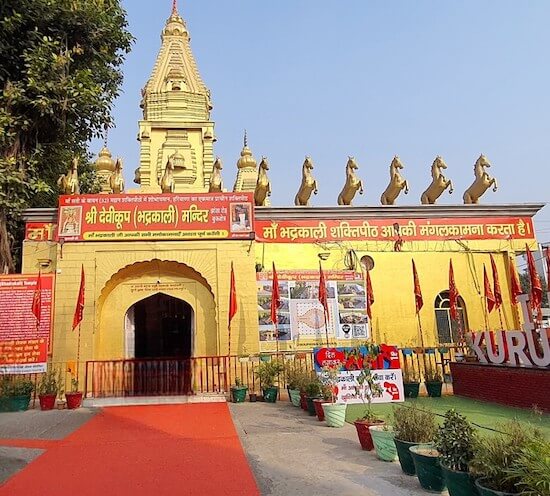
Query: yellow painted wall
point(197, 272)
point(118, 274)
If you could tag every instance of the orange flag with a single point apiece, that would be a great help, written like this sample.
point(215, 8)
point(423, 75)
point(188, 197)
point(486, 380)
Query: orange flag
point(536, 287)
point(489, 296)
point(496, 284)
point(79, 310)
point(37, 299)
point(275, 296)
point(370, 296)
point(323, 296)
point(419, 302)
point(515, 286)
point(232, 296)
point(453, 293)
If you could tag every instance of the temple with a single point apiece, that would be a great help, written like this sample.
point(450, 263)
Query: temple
point(158, 258)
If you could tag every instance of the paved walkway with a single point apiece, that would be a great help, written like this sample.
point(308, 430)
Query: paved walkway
point(143, 450)
point(292, 453)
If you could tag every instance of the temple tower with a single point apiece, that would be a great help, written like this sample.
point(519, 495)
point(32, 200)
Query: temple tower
point(247, 171)
point(176, 116)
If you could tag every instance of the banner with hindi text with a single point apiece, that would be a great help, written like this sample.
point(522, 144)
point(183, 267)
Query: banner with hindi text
point(128, 217)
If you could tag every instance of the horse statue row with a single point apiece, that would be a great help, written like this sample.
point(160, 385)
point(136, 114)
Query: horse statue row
point(68, 183)
point(263, 185)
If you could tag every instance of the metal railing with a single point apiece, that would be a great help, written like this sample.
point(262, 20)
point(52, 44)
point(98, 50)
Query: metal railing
point(197, 375)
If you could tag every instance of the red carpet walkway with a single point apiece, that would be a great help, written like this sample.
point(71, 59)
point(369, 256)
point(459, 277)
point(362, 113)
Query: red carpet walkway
point(146, 450)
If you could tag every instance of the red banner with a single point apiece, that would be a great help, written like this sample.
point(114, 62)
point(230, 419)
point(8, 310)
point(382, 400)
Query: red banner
point(40, 231)
point(23, 344)
point(156, 217)
point(471, 228)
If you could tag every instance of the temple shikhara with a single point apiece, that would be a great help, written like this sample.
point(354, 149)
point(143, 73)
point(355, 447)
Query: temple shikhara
point(153, 261)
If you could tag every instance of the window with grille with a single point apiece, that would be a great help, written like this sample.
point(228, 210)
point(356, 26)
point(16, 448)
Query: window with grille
point(448, 330)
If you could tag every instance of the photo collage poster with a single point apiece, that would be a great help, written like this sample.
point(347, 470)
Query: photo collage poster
point(301, 317)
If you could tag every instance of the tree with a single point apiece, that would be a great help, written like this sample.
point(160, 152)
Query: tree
point(525, 282)
point(60, 72)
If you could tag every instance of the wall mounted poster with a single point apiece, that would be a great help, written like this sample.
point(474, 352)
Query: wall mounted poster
point(386, 371)
point(301, 318)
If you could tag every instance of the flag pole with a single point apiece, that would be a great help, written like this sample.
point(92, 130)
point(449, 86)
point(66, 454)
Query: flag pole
point(78, 352)
point(326, 326)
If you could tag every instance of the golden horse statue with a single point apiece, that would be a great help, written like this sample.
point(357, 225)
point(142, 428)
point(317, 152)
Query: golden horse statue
point(137, 175)
point(263, 186)
point(68, 183)
point(309, 184)
point(167, 183)
point(439, 183)
point(116, 180)
point(353, 183)
point(397, 183)
point(216, 182)
point(482, 182)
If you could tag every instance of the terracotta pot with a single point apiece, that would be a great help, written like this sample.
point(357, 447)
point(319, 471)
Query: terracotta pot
point(318, 404)
point(74, 400)
point(47, 401)
point(363, 432)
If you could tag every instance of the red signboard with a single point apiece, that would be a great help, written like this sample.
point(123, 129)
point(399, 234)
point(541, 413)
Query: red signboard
point(471, 228)
point(156, 217)
point(40, 231)
point(23, 344)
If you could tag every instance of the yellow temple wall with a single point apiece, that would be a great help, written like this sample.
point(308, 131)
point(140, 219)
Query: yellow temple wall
point(118, 274)
point(394, 315)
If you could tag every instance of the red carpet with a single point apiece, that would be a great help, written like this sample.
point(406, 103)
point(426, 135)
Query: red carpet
point(146, 450)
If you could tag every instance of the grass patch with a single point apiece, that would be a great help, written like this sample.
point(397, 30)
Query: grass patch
point(478, 412)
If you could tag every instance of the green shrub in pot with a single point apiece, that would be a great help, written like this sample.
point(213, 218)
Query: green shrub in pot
point(455, 442)
point(412, 426)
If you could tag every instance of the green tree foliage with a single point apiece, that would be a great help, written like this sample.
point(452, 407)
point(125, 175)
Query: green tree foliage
point(60, 72)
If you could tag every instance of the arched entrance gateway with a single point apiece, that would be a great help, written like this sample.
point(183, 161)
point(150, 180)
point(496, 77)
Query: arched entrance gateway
point(155, 317)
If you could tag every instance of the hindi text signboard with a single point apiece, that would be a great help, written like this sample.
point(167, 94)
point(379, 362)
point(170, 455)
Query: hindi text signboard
point(23, 346)
point(135, 217)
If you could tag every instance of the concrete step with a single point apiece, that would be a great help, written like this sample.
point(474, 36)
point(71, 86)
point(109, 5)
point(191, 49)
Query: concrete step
point(155, 400)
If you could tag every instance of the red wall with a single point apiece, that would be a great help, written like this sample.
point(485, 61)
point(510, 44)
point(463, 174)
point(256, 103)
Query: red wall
point(513, 386)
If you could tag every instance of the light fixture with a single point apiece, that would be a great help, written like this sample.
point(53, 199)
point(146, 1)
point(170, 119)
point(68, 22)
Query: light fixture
point(44, 263)
point(324, 255)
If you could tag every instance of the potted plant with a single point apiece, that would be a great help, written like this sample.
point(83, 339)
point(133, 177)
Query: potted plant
point(16, 394)
point(335, 413)
point(412, 426)
point(238, 391)
point(267, 373)
point(313, 390)
point(367, 388)
point(411, 383)
point(499, 461)
point(318, 402)
point(50, 385)
point(433, 381)
point(294, 379)
point(455, 442)
point(382, 438)
point(427, 467)
point(74, 396)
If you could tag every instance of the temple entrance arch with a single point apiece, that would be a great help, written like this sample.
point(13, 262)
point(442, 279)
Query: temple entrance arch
point(160, 326)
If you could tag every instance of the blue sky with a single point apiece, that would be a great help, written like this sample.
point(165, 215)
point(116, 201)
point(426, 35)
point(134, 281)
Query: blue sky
point(371, 79)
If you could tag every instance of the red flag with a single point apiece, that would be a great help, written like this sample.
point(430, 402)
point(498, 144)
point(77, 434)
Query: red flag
point(496, 284)
point(79, 310)
point(323, 297)
point(417, 292)
point(370, 296)
point(547, 252)
point(453, 293)
point(275, 296)
point(232, 296)
point(515, 286)
point(490, 297)
point(37, 299)
point(536, 288)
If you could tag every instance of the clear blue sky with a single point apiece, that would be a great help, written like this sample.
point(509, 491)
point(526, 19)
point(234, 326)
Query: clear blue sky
point(365, 78)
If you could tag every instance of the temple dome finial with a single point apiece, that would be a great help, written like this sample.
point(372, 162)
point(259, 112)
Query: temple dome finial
point(246, 160)
point(175, 25)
